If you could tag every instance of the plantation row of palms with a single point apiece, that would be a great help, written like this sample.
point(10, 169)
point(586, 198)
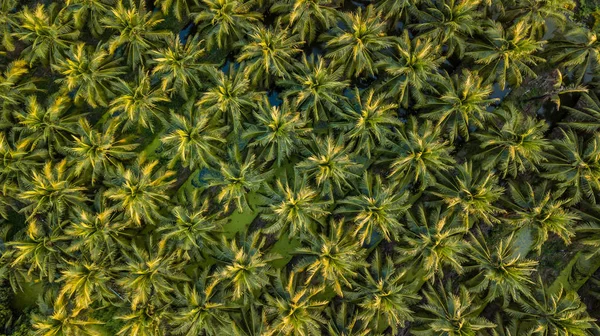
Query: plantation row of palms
point(402, 166)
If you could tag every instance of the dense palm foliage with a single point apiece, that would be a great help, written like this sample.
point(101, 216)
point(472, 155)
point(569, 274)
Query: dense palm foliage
point(299, 167)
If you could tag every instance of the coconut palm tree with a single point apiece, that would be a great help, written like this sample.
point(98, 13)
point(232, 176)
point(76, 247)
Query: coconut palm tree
point(146, 275)
point(192, 139)
point(238, 177)
point(333, 259)
point(470, 194)
point(307, 18)
point(343, 321)
point(52, 192)
point(330, 164)
point(8, 23)
point(541, 210)
point(396, 11)
point(136, 29)
point(138, 103)
point(449, 23)
point(450, 313)
point(98, 152)
point(90, 13)
point(501, 271)
point(192, 227)
point(360, 44)
point(367, 121)
point(60, 322)
point(90, 73)
point(433, 240)
point(517, 147)
point(269, 55)
point(49, 127)
point(224, 22)
point(377, 208)
point(292, 309)
point(251, 321)
point(181, 8)
point(180, 66)
point(412, 70)
point(384, 296)
point(277, 130)
point(139, 191)
point(575, 164)
point(316, 88)
point(18, 160)
point(244, 266)
point(85, 283)
point(47, 33)
point(204, 313)
point(579, 52)
point(146, 320)
point(536, 14)
point(506, 55)
point(462, 104)
point(229, 96)
point(585, 117)
point(553, 313)
point(294, 207)
point(419, 154)
point(14, 87)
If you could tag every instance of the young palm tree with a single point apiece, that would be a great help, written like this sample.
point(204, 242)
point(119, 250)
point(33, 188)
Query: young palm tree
point(90, 73)
point(52, 192)
point(307, 17)
point(470, 194)
point(47, 33)
point(501, 272)
point(359, 46)
point(579, 52)
point(136, 30)
point(230, 96)
point(575, 164)
point(507, 54)
point(146, 275)
point(316, 87)
point(269, 55)
point(138, 103)
point(238, 177)
point(98, 152)
point(49, 127)
point(433, 239)
point(89, 12)
point(192, 139)
point(86, 283)
point(333, 259)
point(536, 14)
point(377, 208)
point(420, 154)
point(413, 69)
point(553, 313)
point(8, 23)
point(224, 22)
point(61, 322)
point(451, 314)
point(541, 210)
point(179, 65)
point(139, 191)
point(277, 130)
point(463, 104)
point(449, 23)
point(294, 206)
point(519, 146)
point(292, 309)
point(146, 320)
point(192, 228)
point(203, 313)
point(330, 164)
point(385, 298)
point(367, 121)
point(244, 266)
